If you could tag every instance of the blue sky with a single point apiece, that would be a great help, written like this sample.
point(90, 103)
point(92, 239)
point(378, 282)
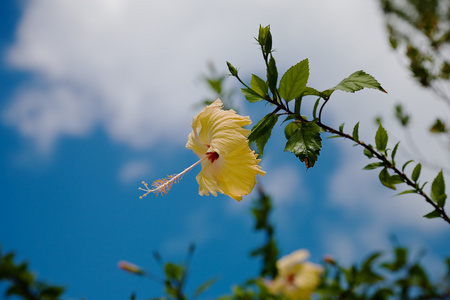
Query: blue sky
point(97, 96)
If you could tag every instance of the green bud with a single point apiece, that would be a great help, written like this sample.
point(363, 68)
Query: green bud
point(232, 69)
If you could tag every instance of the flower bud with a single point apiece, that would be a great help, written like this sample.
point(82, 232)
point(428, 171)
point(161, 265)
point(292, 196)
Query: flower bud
point(129, 267)
point(232, 69)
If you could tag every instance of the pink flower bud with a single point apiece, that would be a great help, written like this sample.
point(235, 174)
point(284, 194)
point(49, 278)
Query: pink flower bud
point(129, 267)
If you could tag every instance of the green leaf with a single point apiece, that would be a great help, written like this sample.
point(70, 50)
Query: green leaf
point(406, 163)
point(367, 274)
point(385, 179)
point(305, 143)
point(315, 108)
point(400, 259)
point(258, 85)
point(341, 127)
point(438, 190)
point(406, 192)
point(251, 95)
point(204, 286)
point(51, 292)
point(173, 271)
point(294, 81)
point(367, 152)
point(262, 130)
point(433, 214)
point(438, 127)
point(298, 104)
point(355, 132)
point(416, 172)
point(357, 81)
point(373, 166)
point(394, 152)
point(272, 75)
point(308, 91)
point(291, 128)
point(381, 139)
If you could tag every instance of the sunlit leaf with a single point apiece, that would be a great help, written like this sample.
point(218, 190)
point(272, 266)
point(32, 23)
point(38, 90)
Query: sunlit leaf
point(293, 82)
point(251, 95)
point(357, 81)
point(258, 85)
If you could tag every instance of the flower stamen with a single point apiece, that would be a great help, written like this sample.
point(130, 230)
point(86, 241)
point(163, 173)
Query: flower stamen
point(163, 186)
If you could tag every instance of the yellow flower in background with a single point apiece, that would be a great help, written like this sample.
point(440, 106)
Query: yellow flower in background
point(297, 278)
point(229, 166)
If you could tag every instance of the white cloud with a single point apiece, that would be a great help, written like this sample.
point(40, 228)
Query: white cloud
point(44, 114)
point(135, 61)
point(284, 182)
point(133, 171)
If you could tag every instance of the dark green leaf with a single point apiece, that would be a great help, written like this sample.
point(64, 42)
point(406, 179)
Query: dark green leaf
point(438, 190)
point(357, 81)
point(341, 127)
point(51, 292)
point(173, 271)
point(381, 139)
point(315, 108)
point(293, 82)
point(291, 128)
point(438, 127)
point(298, 105)
point(433, 214)
point(305, 143)
point(272, 75)
point(355, 132)
point(262, 130)
point(258, 85)
point(416, 172)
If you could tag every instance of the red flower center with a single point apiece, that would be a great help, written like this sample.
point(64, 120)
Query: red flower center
point(212, 156)
point(290, 278)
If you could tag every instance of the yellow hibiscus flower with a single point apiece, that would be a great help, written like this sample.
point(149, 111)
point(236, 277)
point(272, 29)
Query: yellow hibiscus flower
point(297, 278)
point(229, 166)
